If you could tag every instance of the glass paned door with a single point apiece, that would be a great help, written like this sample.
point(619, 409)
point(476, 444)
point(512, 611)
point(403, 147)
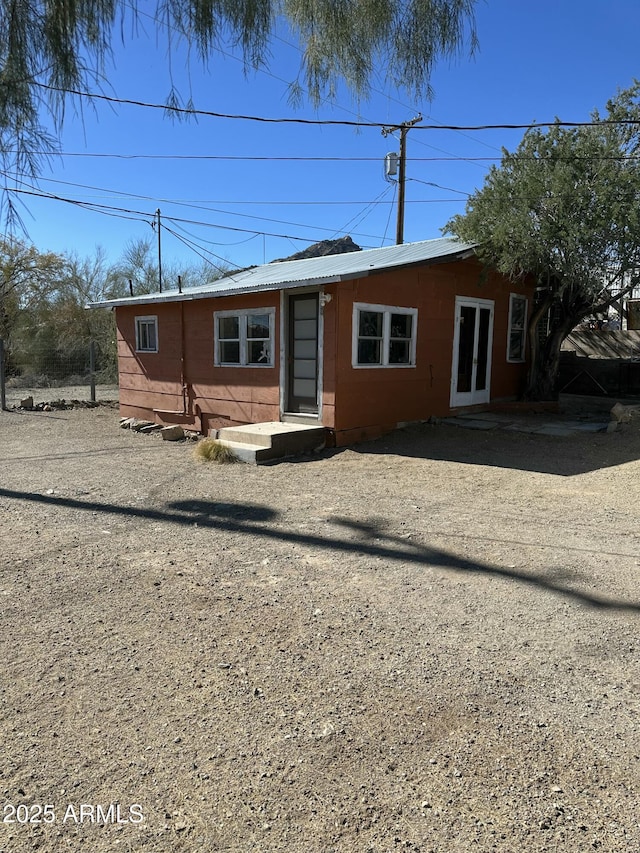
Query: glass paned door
point(302, 362)
point(473, 337)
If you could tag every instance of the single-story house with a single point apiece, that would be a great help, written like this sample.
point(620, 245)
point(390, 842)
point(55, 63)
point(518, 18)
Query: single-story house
point(357, 343)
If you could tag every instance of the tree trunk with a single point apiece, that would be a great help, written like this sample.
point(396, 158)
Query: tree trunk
point(542, 381)
point(564, 310)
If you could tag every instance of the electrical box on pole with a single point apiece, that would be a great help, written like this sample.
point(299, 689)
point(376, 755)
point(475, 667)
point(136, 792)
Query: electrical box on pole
point(391, 165)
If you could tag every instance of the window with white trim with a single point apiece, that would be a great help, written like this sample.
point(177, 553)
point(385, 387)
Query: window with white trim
point(384, 336)
point(146, 334)
point(244, 338)
point(517, 328)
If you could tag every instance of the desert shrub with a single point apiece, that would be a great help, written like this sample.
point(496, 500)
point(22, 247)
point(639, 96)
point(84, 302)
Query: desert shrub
point(29, 380)
point(212, 450)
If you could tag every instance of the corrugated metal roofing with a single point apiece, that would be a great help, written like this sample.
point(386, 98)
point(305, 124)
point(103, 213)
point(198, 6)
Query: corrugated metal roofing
point(310, 271)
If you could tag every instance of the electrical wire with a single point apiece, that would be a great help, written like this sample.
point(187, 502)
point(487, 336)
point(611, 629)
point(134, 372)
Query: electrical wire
point(198, 250)
point(257, 158)
point(334, 122)
point(233, 213)
point(297, 48)
point(438, 186)
point(361, 216)
point(145, 216)
point(386, 228)
point(294, 159)
point(199, 204)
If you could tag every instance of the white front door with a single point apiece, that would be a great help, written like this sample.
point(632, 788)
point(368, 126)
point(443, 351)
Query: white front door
point(472, 341)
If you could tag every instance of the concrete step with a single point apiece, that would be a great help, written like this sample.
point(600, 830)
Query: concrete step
point(252, 454)
point(255, 443)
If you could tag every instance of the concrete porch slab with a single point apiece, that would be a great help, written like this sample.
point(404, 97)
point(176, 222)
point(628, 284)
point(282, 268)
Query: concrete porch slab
point(560, 427)
point(470, 423)
point(256, 443)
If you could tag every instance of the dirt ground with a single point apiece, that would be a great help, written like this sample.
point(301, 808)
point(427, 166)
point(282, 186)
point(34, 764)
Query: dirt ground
point(426, 643)
point(47, 394)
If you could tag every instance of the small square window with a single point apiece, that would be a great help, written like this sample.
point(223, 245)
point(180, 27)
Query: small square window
point(383, 336)
point(146, 334)
point(244, 338)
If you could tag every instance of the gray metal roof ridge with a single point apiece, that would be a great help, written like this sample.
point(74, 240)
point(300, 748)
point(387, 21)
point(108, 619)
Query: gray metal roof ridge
point(303, 272)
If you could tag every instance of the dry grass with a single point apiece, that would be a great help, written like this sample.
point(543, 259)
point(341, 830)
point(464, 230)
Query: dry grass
point(212, 450)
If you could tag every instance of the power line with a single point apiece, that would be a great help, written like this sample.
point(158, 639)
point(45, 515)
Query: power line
point(146, 216)
point(369, 205)
point(198, 204)
point(252, 157)
point(194, 247)
point(334, 122)
point(389, 217)
point(257, 158)
point(192, 111)
point(438, 186)
point(215, 242)
point(287, 83)
point(362, 215)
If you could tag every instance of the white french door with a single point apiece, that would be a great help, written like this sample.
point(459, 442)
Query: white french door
point(472, 342)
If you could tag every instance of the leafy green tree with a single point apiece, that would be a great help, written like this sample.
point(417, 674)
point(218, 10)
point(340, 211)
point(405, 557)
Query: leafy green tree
point(48, 47)
point(27, 276)
point(564, 208)
point(43, 318)
point(44, 321)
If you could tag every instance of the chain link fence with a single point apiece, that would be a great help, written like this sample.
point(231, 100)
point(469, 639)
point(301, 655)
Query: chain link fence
point(44, 375)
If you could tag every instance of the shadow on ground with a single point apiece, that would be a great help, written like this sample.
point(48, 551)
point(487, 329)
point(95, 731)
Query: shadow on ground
point(367, 539)
point(580, 452)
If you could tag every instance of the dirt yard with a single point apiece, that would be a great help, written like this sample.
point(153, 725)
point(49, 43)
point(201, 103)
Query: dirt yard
point(46, 394)
point(427, 643)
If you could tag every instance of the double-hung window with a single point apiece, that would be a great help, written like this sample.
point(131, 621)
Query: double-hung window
point(384, 336)
point(146, 334)
point(244, 338)
point(517, 328)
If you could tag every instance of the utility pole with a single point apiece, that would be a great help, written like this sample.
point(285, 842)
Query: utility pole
point(159, 252)
point(404, 129)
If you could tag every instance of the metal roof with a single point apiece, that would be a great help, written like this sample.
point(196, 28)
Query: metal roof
point(310, 271)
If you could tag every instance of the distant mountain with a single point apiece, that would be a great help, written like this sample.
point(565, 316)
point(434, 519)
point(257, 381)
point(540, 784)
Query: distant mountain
point(324, 247)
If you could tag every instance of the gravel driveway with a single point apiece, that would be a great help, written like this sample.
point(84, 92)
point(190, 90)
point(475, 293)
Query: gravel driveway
point(425, 643)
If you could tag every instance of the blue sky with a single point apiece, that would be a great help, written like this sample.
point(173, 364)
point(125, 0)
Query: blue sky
point(535, 61)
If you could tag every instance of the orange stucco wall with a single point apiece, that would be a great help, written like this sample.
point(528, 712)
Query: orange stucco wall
point(370, 400)
point(167, 387)
point(181, 384)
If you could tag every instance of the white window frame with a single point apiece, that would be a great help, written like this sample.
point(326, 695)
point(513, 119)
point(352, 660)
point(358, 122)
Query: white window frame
point(523, 331)
point(386, 311)
point(150, 319)
point(242, 316)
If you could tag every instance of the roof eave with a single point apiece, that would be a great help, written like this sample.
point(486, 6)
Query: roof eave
point(185, 296)
point(249, 287)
